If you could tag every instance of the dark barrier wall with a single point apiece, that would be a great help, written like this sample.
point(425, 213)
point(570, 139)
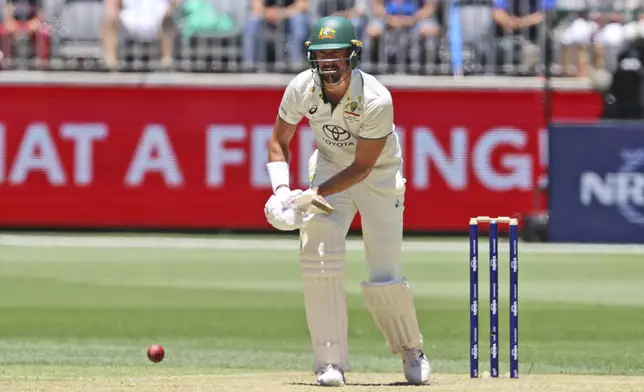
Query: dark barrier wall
point(596, 178)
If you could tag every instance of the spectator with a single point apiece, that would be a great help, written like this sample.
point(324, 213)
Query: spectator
point(609, 41)
point(623, 100)
point(354, 10)
point(25, 18)
point(276, 18)
point(143, 20)
point(634, 29)
point(406, 19)
point(471, 31)
point(577, 44)
point(520, 27)
point(202, 17)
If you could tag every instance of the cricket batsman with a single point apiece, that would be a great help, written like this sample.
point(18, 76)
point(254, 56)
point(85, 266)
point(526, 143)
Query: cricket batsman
point(357, 166)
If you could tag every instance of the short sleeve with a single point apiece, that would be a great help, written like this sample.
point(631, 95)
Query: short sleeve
point(378, 119)
point(289, 110)
point(499, 4)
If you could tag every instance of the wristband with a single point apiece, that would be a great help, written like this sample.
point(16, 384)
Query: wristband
point(278, 173)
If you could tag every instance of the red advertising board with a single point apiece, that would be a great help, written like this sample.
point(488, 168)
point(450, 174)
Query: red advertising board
point(190, 158)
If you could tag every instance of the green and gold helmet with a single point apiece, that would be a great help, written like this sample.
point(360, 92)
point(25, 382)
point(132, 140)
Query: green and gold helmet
point(332, 33)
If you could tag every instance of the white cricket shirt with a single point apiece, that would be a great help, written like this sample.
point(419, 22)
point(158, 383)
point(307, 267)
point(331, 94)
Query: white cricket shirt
point(365, 111)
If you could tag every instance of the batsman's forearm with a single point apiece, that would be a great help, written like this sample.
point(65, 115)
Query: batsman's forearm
point(277, 166)
point(277, 152)
point(343, 180)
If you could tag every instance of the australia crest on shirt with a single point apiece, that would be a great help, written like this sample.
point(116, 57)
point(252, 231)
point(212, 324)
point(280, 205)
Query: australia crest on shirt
point(353, 110)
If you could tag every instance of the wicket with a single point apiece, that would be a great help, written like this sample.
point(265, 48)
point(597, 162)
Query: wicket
point(494, 295)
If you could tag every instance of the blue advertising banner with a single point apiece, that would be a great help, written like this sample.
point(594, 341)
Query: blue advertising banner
point(596, 181)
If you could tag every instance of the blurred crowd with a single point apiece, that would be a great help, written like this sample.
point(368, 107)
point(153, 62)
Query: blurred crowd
point(509, 37)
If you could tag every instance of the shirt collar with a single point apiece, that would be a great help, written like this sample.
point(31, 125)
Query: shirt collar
point(355, 90)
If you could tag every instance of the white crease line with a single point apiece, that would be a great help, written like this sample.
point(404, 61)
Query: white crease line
point(143, 242)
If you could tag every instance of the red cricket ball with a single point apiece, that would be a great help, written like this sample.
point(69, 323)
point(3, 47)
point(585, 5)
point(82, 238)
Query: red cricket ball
point(156, 353)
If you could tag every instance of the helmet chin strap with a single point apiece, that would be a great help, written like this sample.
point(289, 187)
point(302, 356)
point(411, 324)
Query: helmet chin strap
point(315, 69)
point(322, 83)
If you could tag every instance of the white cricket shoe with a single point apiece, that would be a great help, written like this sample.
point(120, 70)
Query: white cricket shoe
point(331, 376)
point(416, 367)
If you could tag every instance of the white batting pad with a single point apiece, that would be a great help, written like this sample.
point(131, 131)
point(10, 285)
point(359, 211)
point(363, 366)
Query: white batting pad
point(323, 274)
point(392, 307)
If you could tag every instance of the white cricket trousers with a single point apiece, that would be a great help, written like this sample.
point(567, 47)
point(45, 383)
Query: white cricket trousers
point(380, 200)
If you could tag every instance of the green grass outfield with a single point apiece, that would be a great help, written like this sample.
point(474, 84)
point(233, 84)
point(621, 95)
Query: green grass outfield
point(88, 306)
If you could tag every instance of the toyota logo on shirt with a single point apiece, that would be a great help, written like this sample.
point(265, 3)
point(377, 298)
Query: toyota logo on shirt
point(337, 136)
point(336, 133)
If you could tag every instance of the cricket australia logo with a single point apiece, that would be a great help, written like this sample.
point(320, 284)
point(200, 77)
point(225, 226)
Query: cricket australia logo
point(515, 352)
point(514, 308)
point(352, 110)
point(514, 264)
point(337, 136)
point(475, 308)
point(326, 33)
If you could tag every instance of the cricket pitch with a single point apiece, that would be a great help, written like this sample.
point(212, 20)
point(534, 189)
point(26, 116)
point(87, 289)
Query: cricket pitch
point(296, 382)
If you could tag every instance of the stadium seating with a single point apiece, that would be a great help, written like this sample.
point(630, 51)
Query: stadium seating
point(75, 27)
